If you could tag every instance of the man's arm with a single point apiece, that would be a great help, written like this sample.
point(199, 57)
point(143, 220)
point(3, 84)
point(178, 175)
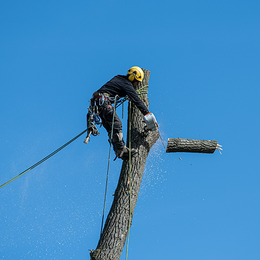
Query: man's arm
point(136, 100)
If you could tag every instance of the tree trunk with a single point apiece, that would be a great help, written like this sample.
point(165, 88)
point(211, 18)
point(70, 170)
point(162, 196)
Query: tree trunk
point(113, 237)
point(191, 145)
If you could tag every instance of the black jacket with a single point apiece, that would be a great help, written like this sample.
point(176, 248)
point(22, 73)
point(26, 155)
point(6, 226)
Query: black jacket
point(121, 86)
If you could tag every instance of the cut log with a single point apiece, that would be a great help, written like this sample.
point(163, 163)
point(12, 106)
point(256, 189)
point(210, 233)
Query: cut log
point(113, 237)
point(191, 145)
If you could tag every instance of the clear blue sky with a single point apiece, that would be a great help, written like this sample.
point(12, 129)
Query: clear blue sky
point(204, 60)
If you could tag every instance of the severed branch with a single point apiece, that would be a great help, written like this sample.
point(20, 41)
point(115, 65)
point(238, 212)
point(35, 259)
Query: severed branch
point(113, 237)
point(192, 146)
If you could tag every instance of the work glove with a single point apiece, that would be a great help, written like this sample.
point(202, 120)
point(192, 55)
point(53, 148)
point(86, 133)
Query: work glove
point(150, 121)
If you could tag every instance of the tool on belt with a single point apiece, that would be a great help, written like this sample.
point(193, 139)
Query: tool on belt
point(93, 117)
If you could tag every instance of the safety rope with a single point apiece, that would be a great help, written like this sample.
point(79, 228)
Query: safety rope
point(44, 159)
point(130, 179)
point(116, 105)
point(139, 92)
point(108, 167)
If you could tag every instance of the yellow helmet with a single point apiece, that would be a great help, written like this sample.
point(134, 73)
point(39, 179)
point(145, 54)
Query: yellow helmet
point(135, 73)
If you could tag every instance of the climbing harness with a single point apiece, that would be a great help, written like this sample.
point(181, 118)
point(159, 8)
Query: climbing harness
point(44, 159)
point(93, 115)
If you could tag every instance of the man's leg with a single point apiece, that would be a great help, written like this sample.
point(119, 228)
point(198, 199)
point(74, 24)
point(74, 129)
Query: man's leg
point(118, 143)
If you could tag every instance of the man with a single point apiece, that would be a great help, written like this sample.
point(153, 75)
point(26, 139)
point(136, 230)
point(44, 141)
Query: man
point(101, 105)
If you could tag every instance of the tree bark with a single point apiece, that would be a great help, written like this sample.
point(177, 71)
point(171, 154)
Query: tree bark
point(191, 145)
point(113, 237)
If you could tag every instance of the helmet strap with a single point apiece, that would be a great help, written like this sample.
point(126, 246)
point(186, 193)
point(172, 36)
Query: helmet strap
point(131, 77)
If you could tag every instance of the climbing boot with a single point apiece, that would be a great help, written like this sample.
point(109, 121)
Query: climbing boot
point(124, 153)
point(120, 148)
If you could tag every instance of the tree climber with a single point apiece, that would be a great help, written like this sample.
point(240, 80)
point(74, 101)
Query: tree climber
point(101, 106)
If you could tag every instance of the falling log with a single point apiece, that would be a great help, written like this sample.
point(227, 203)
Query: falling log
point(191, 146)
